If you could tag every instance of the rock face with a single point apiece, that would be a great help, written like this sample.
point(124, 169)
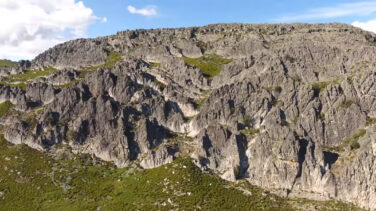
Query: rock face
point(293, 112)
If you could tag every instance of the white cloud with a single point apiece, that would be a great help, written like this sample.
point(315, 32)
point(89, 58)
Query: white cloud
point(341, 10)
point(368, 25)
point(147, 11)
point(28, 27)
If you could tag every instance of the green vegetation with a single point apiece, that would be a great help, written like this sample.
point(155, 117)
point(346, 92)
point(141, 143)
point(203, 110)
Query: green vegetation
point(202, 45)
point(210, 65)
point(111, 60)
point(5, 107)
point(322, 117)
point(351, 142)
point(30, 75)
point(197, 104)
point(161, 85)
point(331, 205)
point(154, 65)
point(31, 119)
point(78, 183)
point(31, 180)
point(21, 85)
point(370, 121)
point(296, 78)
point(20, 80)
point(346, 104)
point(350, 79)
point(248, 121)
point(250, 131)
point(7, 63)
point(275, 102)
point(319, 87)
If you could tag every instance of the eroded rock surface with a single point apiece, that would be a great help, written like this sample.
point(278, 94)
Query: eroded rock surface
point(293, 112)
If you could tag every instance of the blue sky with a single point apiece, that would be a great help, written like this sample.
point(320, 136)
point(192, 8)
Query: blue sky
point(181, 13)
point(29, 27)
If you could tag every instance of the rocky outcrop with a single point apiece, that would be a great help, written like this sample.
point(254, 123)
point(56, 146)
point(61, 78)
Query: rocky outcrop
point(293, 112)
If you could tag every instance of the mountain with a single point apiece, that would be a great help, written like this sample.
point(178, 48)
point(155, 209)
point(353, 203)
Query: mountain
point(288, 108)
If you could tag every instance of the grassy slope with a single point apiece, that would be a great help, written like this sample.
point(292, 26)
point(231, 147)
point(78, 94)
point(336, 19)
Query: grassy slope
point(6, 63)
point(20, 80)
point(4, 108)
point(31, 180)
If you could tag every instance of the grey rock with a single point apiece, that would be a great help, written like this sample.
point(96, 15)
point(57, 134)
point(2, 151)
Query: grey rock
point(291, 112)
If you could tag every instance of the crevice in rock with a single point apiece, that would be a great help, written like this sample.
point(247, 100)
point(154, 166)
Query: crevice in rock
point(206, 143)
point(301, 155)
point(330, 158)
point(241, 142)
point(303, 144)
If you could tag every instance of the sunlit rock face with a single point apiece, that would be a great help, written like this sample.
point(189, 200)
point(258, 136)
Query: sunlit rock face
point(291, 108)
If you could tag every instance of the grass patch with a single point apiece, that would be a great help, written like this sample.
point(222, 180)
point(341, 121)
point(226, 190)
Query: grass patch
point(331, 205)
point(370, 121)
point(154, 65)
point(5, 107)
point(296, 78)
point(319, 87)
point(351, 142)
point(350, 79)
point(248, 121)
point(210, 65)
point(346, 104)
point(321, 117)
point(7, 63)
point(198, 103)
point(30, 75)
point(111, 60)
point(14, 85)
point(250, 131)
point(20, 80)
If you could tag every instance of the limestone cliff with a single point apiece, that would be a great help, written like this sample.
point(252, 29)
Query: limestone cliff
point(291, 108)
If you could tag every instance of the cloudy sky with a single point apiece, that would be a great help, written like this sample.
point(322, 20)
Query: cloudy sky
point(28, 27)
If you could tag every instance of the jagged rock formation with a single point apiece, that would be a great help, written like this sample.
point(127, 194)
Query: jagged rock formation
point(293, 111)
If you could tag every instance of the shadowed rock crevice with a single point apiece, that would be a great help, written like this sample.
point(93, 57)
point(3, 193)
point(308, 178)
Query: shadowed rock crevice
point(301, 156)
point(241, 142)
point(330, 158)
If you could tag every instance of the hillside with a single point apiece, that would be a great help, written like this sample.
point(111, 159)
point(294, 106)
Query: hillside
point(288, 108)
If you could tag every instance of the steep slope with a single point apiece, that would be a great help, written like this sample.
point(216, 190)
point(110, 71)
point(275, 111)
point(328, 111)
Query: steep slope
point(290, 108)
point(69, 182)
